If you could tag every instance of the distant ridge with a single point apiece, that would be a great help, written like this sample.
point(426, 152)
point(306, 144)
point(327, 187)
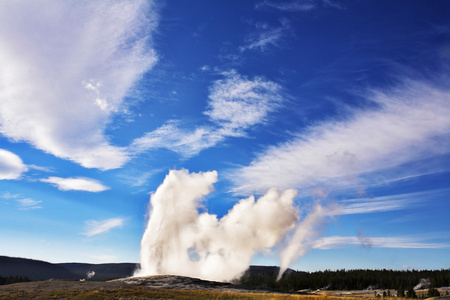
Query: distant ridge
point(33, 269)
point(102, 271)
point(42, 270)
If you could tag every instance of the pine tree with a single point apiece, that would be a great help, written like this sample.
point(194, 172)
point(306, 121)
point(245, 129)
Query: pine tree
point(433, 292)
point(411, 293)
point(400, 292)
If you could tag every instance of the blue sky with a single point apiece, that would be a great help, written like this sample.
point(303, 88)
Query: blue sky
point(348, 102)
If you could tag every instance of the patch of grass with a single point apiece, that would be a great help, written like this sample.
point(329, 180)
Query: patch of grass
point(145, 293)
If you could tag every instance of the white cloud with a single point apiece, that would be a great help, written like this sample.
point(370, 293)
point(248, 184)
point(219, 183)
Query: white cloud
point(334, 242)
point(8, 195)
point(265, 35)
point(135, 178)
point(386, 203)
point(411, 123)
point(292, 6)
point(262, 39)
point(98, 227)
point(28, 203)
point(76, 184)
point(66, 68)
point(298, 5)
point(236, 103)
point(42, 169)
point(11, 165)
point(183, 141)
point(205, 68)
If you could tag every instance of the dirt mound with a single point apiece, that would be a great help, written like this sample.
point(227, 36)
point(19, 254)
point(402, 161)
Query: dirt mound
point(183, 283)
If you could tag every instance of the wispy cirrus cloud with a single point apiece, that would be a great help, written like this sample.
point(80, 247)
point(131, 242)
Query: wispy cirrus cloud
point(304, 5)
point(22, 203)
point(8, 195)
point(135, 178)
point(76, 184)
point(98, 227)
point(334, 242)
point(236, 103)
point(265, 36)
point(66, 68)
point(410, 123)
point(28, 203)
point(187, 142)
point(11, 165)
point(296, 6)
point(387, 203)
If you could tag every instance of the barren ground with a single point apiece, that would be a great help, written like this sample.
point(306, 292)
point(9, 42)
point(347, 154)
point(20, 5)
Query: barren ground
point(151, 287)
point(158, 287)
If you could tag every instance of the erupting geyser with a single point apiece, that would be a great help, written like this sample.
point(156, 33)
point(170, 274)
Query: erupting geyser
point(181, 241)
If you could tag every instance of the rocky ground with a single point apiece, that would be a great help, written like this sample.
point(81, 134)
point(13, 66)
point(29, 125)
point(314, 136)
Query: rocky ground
point(184, 283)
point(66, 289)
point(140, 287)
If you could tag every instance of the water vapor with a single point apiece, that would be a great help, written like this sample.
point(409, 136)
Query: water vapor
point(90, 274)
point(182, 241)
point(424, 283)
point(304, 234)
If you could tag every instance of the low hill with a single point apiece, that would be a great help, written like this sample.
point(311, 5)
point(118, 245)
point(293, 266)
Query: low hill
point(102, 271)
point(33, 269)
point(42, 270)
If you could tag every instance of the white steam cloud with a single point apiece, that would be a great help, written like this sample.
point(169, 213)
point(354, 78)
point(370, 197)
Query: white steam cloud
point(180, 240)
point(301, 240)
point(424, 283)
point(90, 274)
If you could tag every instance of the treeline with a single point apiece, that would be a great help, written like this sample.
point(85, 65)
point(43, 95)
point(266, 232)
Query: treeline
point(13, 279)
point(350, 279)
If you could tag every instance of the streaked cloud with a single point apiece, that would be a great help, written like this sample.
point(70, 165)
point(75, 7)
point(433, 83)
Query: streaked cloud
point(76, 184)
point(410, 123)
point(66, 68)
point(292, 6)
point(387, 203)
point(334, 242)
point(236, 103)
point(98, 227)
point(298, 5)
point(187, 142)
point(262, 39)
point(265, 36)
point(137, 179)
point(28, 203)
point(11, 165)
point(8, 195)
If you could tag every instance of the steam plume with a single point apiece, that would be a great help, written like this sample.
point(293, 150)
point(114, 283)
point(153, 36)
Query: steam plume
point(424, 283)
point(180, 240)
point(90, 274)
point(300, 241)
